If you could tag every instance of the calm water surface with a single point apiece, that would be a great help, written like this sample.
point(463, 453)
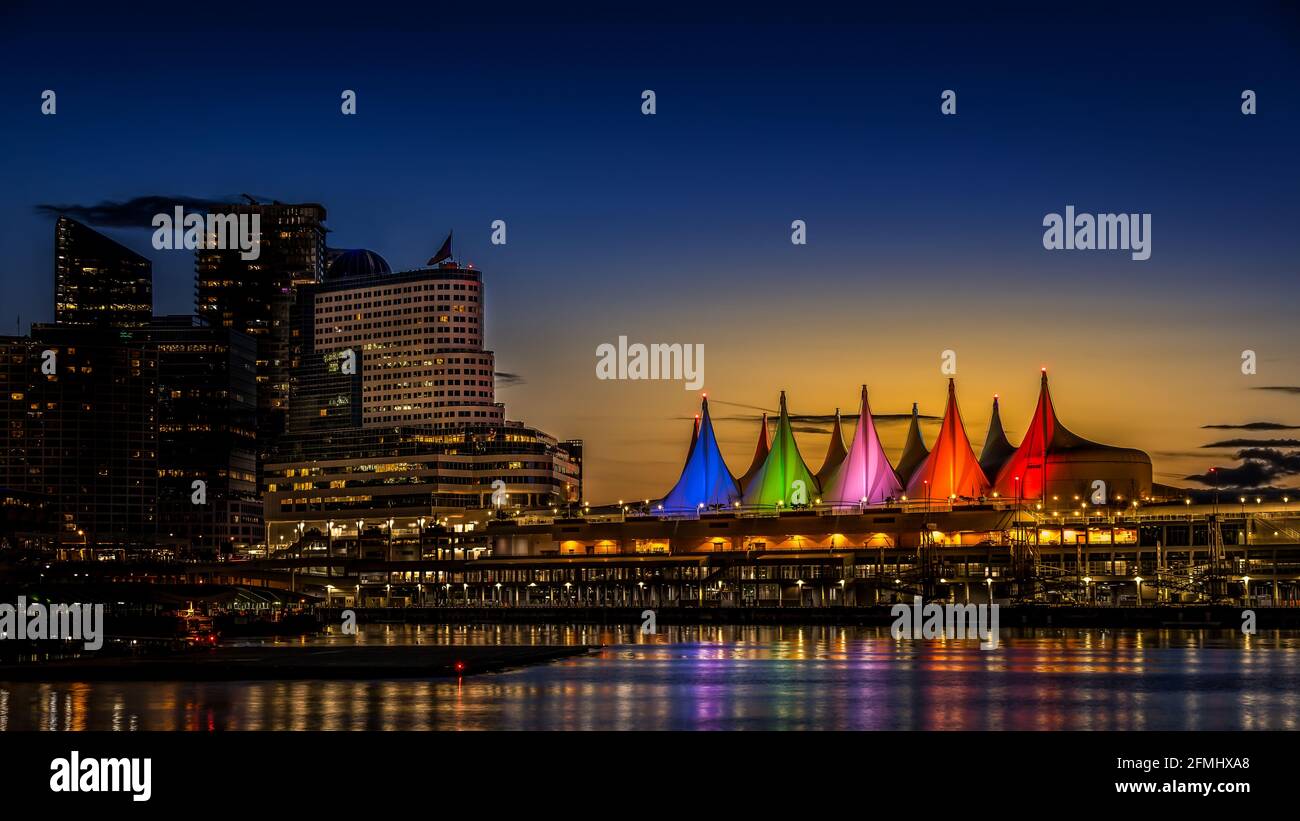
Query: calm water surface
point(729, 678)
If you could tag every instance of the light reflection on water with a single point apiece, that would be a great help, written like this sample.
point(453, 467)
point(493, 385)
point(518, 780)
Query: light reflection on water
point(720, 677)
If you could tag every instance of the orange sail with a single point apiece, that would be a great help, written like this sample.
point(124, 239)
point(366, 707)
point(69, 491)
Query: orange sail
point(951, 470)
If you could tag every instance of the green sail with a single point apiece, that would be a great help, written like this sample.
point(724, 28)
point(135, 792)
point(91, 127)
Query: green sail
point(783, 477)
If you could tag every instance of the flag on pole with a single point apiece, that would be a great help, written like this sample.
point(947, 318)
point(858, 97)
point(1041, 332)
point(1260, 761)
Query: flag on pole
point(443, 253)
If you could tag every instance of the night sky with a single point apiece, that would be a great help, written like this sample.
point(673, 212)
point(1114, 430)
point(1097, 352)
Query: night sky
point(924, 231)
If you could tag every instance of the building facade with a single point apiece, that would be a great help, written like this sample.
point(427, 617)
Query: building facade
point(207, 440)
point(80, 417)
point(376, 474)
point(325, 392)
point(98, 282)
point(394, 415)
point(417, 335)
point(256, 296)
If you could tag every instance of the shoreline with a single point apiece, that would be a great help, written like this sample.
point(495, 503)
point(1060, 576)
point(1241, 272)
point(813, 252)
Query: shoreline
point(275, 663)
point(1188, 617)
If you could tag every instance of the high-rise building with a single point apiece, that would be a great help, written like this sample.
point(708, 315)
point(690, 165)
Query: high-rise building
point(98, 282)
point(256, 296)
point(417, 335)
point(79, 407)
point(411, 430)
point(207, 444)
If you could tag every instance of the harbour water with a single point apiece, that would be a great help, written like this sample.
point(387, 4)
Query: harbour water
point(732, 678)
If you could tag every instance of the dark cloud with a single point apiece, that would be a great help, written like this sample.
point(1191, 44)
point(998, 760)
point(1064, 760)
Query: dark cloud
point(137, 212)
point(739, 405)
point(1279, 388)
point(797, 428)
point(819, 422)
point(1251, 475)
point(1260, 467)
point(1260, 443)
point(509, 380)
point(1252, 426)
point(1284, 462)
point(813, 417)
point(848, 421)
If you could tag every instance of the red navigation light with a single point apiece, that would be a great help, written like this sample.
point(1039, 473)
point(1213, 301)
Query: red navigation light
point(460, 667)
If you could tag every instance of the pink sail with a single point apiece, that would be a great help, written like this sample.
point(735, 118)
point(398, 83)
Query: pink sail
point(865, 473)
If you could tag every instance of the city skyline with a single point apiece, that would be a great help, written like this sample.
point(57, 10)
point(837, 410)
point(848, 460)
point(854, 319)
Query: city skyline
point(630, 368)
point(924, 231)
point(810, 426)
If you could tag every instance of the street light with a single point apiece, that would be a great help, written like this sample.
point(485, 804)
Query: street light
point(1138, 579)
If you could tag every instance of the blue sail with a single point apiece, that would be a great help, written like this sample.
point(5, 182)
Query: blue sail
point(705, 479)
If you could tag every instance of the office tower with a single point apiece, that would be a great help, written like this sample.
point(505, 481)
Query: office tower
point(98, 282)
point(418, 336)
point(80, 413)
point(256, 296)
point(207, 446)
point(414, 430)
